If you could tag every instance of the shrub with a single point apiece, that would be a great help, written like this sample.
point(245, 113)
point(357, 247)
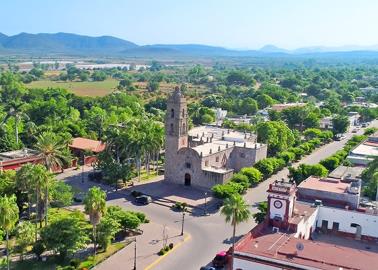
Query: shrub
point(179, 206)
point(253, 174)
point(226, 190)
point(312, 133)
point(75, 263)
point(170, 245)
point(141, 216)
point(38, 249)
point(330, 163)
point(298, 152)
point(265, 167)
point(370, 131)
point(286, 156)
point(304, 171)
point(161, 252)
point(241, 179)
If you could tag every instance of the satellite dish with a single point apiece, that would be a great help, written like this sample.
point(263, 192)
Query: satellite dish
point(299, 246)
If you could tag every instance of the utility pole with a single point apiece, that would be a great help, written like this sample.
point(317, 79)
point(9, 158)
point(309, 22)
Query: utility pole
point(82, 169)
point(183, 220)
point(135, 253)
point(205, 203)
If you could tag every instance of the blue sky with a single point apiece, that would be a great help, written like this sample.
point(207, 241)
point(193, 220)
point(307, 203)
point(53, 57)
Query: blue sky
point(228, 23)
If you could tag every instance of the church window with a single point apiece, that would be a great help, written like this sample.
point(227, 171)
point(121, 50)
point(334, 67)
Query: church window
point(224, 160)
point(183, 112)
point(242, 155)
point(188, 165)
point(172, 113)
point(171, 129)
point(217, 159)
point(183, 128)
point(206, 163)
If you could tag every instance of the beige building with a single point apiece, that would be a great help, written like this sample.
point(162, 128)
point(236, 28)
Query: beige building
point(204, 156)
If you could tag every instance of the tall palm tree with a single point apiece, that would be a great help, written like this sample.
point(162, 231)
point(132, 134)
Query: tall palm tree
point(95, 207)
point(236, 211)
point(8, 217)
point(54, 152)
point(15, 110)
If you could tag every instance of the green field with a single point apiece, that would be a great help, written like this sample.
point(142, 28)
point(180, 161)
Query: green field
point(92, 89)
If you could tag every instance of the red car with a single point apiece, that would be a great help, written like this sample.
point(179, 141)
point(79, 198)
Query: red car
point(220, 260)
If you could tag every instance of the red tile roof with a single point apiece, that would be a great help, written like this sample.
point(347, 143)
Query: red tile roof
point(264, 245)
point(87, 144)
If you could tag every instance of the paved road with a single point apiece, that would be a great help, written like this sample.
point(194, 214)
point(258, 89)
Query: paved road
point(211, 234)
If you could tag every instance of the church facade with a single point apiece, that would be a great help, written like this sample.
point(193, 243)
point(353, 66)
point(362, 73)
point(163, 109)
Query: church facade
point(206, 155)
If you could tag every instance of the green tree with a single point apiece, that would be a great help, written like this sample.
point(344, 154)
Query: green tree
point(25, 232)
point(340, 124)
point(8, 218)
point(106, 231)
point(95, 207)
point(276, 134)
point(262, 208)
point(253, 174)
point(65, 235)
point(55, 153)
point(236, 211)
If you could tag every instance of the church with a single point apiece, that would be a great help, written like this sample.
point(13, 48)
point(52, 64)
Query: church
point(207, 155)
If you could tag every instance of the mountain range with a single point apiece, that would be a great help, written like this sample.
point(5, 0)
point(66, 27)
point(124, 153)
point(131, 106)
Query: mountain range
point(73, 44)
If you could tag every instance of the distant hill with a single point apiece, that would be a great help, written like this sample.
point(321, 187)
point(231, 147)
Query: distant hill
point(72, 44)
point(64, 43)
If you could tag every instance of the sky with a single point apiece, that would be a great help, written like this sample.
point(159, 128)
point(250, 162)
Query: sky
point(238, 24)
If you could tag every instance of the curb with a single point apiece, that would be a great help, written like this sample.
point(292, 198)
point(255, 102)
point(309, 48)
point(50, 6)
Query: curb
point(157, 261)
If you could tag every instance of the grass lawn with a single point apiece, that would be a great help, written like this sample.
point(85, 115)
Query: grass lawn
point(51, 263)
point(92, 89)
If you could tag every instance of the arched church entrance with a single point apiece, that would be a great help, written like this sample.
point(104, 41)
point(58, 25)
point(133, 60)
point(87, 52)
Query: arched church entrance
point(188, 179)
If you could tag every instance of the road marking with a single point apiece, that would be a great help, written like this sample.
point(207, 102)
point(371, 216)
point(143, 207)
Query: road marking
point(166, 254)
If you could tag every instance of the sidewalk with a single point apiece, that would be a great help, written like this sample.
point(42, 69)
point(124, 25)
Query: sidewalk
point(148, 245)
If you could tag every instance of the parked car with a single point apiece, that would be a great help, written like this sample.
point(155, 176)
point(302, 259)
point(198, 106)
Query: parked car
point(220, 260)
point(354, 130)
point(364, 125)
point(79, 197)
point(339, 137)
point(143, 199)
point(207, 268)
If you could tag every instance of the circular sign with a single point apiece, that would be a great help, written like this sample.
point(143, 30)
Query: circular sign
point(277, 204)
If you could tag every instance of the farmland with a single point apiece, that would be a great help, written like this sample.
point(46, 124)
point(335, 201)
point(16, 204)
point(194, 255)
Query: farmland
point(90, 88)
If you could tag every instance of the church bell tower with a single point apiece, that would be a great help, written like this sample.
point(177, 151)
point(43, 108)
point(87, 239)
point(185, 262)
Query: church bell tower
point(176, 129)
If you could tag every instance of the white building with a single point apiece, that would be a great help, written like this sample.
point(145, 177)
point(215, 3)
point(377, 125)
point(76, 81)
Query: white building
point(309, 235)
point(365, 152)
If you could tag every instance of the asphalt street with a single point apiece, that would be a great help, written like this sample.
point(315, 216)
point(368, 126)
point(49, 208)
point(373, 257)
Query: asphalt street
point(210, 234)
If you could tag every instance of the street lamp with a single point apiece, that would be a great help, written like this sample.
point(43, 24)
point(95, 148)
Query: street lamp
point(205, 203)
point(82, 169)
point(183, 220)
point(135, 253)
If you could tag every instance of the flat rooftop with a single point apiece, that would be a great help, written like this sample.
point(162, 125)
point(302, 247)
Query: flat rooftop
point(365, 150)
point(324, 184)
point(18, 154)
point(328, 252)
point(346, 172)
point(217, 133)
point(219, 146)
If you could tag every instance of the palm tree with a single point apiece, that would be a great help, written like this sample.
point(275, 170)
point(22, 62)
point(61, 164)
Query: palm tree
point(15, 110)
point(236, 211)
point(54, 152)
point(95, 207)
point(8, 217)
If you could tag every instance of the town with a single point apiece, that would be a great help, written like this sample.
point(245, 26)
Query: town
point(115, 155)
